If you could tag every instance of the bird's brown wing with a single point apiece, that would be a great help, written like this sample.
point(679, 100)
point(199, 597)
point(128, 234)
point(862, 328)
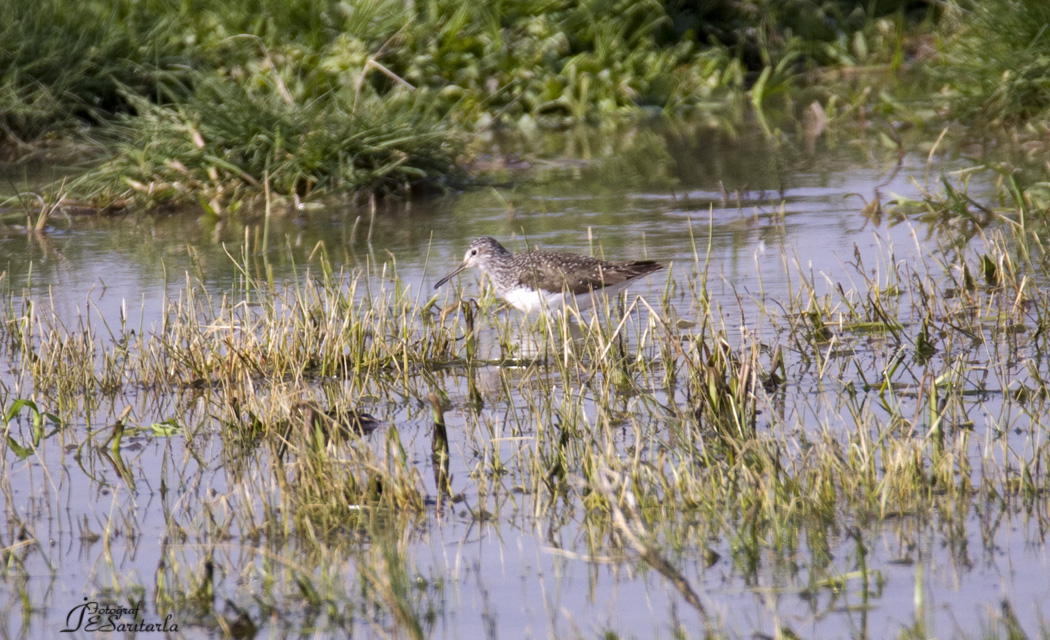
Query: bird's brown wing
point(544, 275)
point(559, 272)
point(617, 272)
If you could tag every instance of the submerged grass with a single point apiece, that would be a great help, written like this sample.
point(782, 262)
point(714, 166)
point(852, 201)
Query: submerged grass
point(663, 442)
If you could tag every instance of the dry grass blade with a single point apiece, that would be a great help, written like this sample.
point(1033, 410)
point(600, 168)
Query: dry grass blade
point(631, 527)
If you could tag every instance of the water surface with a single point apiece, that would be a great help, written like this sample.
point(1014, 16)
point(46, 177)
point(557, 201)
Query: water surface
point(760, 214)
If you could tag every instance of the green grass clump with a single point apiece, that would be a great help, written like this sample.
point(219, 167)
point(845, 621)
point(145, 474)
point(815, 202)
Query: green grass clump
point(228, 143)
point(62, 63)
point(997, 61)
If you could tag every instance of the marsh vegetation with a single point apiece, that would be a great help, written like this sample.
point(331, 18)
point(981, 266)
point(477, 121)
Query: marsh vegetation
point(234, 402)
point(769, 437)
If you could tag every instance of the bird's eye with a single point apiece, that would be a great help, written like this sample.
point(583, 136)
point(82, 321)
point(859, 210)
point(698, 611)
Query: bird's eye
point(473, 252)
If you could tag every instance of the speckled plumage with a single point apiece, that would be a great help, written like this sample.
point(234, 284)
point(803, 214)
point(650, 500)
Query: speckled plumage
point(541, 279)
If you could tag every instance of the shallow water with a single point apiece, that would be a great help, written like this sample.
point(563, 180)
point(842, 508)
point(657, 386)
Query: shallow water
point(769, 214)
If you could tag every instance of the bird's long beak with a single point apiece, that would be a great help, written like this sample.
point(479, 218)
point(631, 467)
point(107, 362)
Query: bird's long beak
point(451, 275)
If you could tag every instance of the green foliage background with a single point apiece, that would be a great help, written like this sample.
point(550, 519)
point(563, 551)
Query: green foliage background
point(220, 102)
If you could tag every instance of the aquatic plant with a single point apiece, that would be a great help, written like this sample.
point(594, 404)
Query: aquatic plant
point(661, 442)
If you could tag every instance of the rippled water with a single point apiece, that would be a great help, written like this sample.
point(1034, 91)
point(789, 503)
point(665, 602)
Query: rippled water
point(768, 212)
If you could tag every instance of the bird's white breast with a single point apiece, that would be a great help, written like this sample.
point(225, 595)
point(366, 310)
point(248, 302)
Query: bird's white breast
point(528, 300)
